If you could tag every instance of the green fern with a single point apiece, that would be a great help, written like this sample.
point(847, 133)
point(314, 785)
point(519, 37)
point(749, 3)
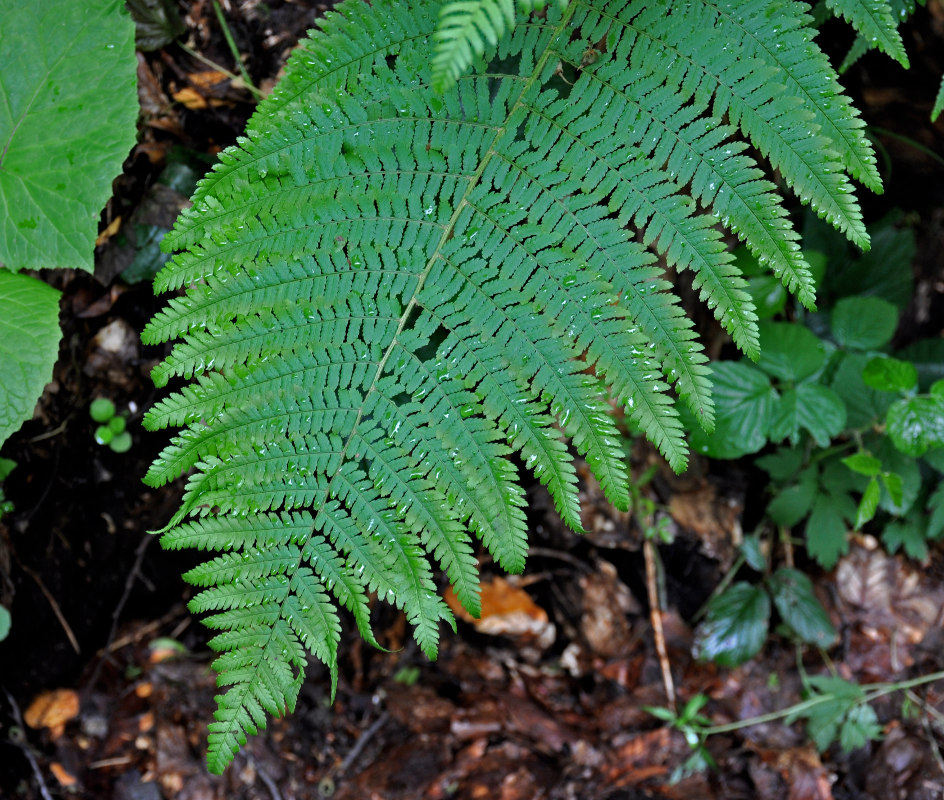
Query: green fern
point(938, 103)
point(396, 296)
point(875, 22)
point(466, 28)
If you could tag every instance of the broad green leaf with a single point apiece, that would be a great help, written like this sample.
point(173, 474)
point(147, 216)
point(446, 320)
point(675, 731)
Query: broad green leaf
point(795, 502)
point(68, 111)
point(863, 463)
point(935, 458)
point(886, 374)
point(916, 424)
point(936, 507)
point(928, 357)
point(812, 407)
point(837, 479)
point(735, 626)
point(825, 718)
point(864, 406)
point(860, 727)
point(789, 351)
point(884, 271)
point(156, 22)
point(782, 464)
point(753, 553)
point(868, 505)
point(796, 601)
point(7, 465)
point(864, 323)
point(5, 622)
point(29, 344)
point(768, 294)
point(895, 487)
point(894, 461)
point(743, 401)
point(937, 389)
point(908, 535)
point(826, 531)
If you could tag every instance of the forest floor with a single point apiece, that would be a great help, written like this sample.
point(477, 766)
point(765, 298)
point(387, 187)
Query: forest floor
point(105, 686)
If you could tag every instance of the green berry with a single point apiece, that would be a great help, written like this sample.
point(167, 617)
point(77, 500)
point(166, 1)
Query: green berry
point(102, 409)
point(121, 443)
point(117, 424)
point(104, 434)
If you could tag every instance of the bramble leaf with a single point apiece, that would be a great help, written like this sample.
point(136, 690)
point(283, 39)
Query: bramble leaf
point(68, 112)
point(735, 626)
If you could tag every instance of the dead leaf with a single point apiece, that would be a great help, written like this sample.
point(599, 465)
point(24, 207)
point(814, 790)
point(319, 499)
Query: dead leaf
point(61, 774)
point(716, 520)
point(606, 601)
point(507, 610)
point(52, 710)
point(110, 231)
point(207, 80)
point(190, 98)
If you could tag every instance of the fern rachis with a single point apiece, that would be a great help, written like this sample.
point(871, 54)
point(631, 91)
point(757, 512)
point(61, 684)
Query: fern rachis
point(394, 292)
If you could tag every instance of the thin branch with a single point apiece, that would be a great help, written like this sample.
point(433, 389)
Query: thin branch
point(21, 742)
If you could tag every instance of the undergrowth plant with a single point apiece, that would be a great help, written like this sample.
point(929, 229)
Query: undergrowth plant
point(861, 424)
point(405, 285)
point(68, 108)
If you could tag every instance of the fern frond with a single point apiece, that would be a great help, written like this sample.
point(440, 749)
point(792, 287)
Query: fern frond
point(874, 20)
point(399, 297)
point(466, 28)
point(938, 103)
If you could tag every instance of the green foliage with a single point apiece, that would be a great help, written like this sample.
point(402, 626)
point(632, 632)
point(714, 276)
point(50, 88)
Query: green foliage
point(837, 709)
point(6, 467)
point(29, 344)
point(393, 292)
point(67, 121)
point(112, 431)
point(68, 110)
point(737, 619)
point(5, 622)
point(467, 27)
point(827, 393)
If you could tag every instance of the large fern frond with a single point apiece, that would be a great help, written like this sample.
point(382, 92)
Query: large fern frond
point(397, 298)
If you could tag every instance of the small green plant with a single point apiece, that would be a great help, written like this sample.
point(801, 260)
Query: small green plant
point(835, 711)
point(863, 427)
point(737, 618)
point(6, 467)
point(111, 431)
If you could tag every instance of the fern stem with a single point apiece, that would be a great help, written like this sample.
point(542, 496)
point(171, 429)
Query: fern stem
point(228, 35)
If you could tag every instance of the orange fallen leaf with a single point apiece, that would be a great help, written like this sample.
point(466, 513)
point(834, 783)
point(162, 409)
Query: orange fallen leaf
point(190, 98)
point(65, 778)
point(52, 710)
point(207, 79)
point(507, 610)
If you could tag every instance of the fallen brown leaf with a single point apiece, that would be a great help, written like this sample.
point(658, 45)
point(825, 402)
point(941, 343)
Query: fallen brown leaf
point(52, 710)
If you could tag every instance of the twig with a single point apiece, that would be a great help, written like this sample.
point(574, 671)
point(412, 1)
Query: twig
point(211, 63)
point(227, 34)
point(24, 746)
point(265, 778)
point(655, 615)
point(361, 743)
point(55, 607)
point(130, 578)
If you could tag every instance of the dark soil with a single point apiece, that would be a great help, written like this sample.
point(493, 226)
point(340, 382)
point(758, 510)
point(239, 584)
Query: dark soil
point(549, 703)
